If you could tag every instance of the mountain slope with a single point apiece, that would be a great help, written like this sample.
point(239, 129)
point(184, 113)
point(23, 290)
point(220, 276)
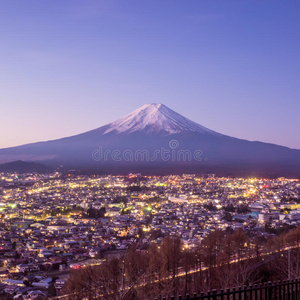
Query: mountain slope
point(154, 138)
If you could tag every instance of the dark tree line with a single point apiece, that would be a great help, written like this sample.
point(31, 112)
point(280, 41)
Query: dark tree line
point(224, 259)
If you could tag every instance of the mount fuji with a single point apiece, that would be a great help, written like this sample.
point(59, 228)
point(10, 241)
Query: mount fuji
point(155, 139)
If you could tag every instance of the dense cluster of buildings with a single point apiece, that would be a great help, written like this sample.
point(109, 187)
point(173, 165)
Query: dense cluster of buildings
point(52, 223)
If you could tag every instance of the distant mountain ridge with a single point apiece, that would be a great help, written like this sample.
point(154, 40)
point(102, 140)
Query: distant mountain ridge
point(156, 139)
point(24, 167)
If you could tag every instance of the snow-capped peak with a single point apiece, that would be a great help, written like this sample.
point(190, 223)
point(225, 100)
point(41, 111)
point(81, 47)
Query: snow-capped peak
point(155, 118)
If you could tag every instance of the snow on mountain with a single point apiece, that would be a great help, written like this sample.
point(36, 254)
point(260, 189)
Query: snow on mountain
point(155, 118)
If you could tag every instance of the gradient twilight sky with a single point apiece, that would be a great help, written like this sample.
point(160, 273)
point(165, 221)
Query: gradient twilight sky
point(70, 66)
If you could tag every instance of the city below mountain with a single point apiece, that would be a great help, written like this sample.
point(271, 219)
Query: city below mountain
point(156, 140)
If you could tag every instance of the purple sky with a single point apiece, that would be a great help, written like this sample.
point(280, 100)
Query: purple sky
point(70, 66)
